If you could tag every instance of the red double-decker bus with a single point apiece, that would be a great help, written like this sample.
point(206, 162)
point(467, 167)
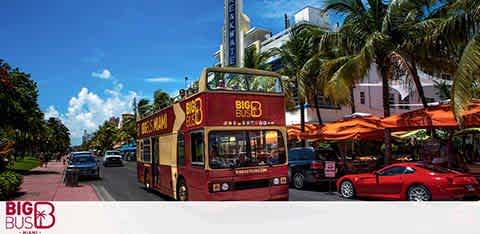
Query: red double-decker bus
point(225, 141)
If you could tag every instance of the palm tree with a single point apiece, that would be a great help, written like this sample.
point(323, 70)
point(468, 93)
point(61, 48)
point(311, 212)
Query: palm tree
point(468, 73)
point(442, 89)
point(143, 107)
point(161, 100)
point(373, 32)
point(300, 63)
point(257, 60)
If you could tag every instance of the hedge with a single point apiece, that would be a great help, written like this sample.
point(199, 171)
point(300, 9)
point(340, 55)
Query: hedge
point(9, 184)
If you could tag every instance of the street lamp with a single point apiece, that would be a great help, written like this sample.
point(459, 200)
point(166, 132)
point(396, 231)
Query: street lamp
point(186, 79)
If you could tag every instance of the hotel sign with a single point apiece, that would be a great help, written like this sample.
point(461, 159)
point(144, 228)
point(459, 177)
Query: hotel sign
point(231, 29)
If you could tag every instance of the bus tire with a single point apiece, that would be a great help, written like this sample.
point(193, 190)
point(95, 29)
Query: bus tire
point(182, 190)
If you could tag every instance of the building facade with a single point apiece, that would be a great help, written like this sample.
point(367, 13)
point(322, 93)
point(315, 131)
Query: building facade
point(367, 94)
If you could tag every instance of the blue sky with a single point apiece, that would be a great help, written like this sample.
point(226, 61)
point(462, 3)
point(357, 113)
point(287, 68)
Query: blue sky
point(90, 58)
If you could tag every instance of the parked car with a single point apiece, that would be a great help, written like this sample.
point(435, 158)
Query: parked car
point(85, 163)
point(112, 158)
point(411, 182)
point(307, 165)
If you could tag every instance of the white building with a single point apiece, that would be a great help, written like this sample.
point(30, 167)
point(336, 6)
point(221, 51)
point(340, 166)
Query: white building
point(367, 94)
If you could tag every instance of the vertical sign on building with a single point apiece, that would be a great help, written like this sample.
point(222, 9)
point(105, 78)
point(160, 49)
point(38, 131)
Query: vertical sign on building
point(232, 32)
point(232, 41)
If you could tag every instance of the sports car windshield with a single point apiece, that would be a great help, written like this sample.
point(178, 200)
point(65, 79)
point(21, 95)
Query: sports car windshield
point(232, 149)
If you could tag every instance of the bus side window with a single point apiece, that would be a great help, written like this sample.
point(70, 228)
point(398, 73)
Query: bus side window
point(146, 150)
point(181, 150)
point(197, 148)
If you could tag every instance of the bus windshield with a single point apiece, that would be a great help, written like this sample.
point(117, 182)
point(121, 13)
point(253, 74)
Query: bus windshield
point(234, 149)
point(244, 82)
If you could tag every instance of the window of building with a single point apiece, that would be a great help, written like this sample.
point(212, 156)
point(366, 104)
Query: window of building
point(446, 76)
point(181, 150)
point(362, 98)
point(146, 150)
point(404, 104)
point(197, 148)
point(327, 103)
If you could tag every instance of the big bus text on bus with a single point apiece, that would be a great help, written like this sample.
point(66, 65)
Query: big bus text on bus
point(226, 141)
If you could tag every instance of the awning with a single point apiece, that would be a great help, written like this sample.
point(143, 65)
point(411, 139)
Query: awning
point(294, 131)
point(362, 128)
point(433, 117)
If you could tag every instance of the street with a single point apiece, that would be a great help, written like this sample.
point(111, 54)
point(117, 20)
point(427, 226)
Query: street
point(120, 184)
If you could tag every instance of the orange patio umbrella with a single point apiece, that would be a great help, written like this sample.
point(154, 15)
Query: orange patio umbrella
point(440, 116)
point(360, 128)
point(294, 131)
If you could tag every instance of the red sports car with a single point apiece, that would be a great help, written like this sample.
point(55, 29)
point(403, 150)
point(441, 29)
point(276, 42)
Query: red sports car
point(411, 182)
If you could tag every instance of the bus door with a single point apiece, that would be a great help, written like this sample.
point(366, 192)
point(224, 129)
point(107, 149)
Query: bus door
point(155, 166)
point(196, 180)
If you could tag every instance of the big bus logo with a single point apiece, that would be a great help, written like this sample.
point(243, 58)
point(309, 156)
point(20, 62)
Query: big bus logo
point(248, 109)
point(26, 217)
point(194, 113)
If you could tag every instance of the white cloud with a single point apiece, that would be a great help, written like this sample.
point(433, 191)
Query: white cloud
point(51, 112)
point(160, 80)
point(105, 74)
point(87, 110)
point(277, 8)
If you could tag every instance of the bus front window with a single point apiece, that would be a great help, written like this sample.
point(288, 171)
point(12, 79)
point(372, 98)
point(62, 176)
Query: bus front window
point(244, 82)
point(233, 149)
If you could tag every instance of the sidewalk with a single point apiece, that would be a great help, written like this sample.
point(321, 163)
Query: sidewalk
point(45, 184)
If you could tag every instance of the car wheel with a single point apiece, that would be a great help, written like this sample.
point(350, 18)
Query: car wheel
point(298, 180)
point(182, 191)
point(418, 193)
point(347, 190)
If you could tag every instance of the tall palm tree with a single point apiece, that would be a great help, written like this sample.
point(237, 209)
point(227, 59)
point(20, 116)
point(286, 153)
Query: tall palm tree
point(257, 60)
point(293, 55)
point(468, 73)
point(161, 100)
point(143, 107)
point(373, 32)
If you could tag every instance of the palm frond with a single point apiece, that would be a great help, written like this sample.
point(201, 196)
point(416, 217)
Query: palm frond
point(467, 74)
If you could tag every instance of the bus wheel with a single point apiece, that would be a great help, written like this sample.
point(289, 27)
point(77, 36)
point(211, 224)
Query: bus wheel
point(182, 191)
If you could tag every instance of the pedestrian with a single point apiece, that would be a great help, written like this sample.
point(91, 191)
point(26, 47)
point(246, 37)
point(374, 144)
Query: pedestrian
point(45, 159)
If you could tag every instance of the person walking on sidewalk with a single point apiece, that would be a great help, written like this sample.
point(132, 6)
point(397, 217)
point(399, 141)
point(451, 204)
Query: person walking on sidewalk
point(44, 159)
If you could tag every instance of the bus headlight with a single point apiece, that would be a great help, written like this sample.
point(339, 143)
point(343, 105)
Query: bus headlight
point(225, 187)
point(276, 181)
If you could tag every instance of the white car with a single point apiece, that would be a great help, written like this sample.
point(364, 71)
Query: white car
point(112, 158)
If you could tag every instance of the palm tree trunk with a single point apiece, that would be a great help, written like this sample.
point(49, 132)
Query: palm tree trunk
point(386, 113)
point(302, 120)
point(317, 108)
point(418, 84)
point(352, 98)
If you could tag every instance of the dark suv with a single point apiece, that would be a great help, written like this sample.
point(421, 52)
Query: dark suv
point(306, 165)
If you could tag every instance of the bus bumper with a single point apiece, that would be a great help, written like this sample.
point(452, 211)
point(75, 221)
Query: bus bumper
point(274, 193)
